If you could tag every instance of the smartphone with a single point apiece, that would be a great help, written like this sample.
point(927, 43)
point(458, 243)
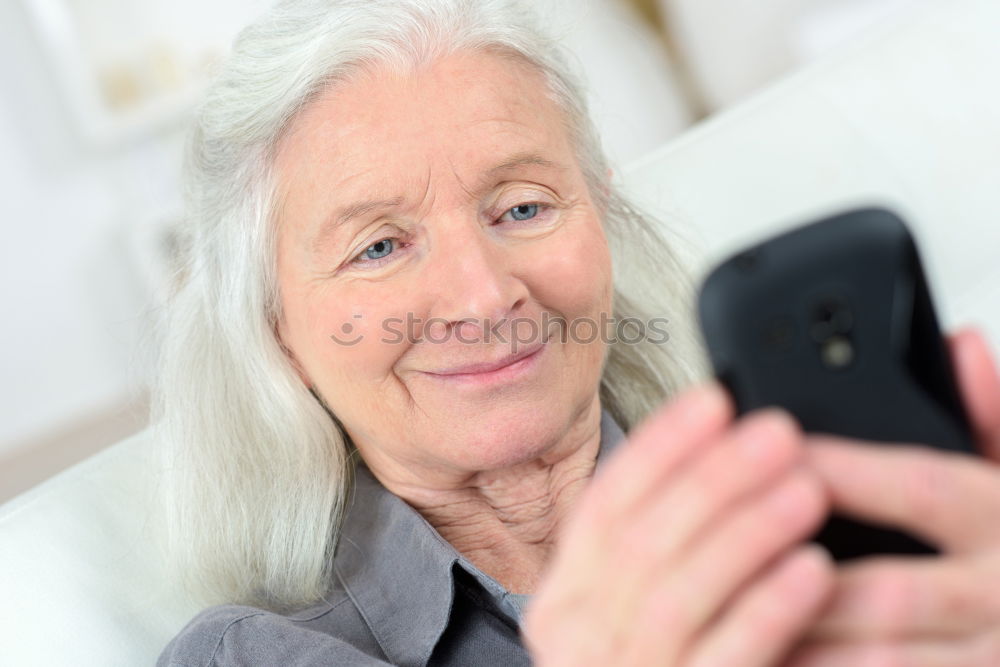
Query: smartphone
point(834, 322)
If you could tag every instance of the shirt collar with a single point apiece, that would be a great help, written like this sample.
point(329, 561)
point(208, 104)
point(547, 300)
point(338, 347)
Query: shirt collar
point(611, 436)
point(398, 570)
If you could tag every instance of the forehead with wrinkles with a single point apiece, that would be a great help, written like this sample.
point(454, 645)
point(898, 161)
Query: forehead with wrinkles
point(374, 138)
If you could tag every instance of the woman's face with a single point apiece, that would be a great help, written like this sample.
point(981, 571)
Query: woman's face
point(427, 223)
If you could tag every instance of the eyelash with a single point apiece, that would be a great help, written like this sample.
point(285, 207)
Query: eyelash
point(542, 208)
point(375, 263)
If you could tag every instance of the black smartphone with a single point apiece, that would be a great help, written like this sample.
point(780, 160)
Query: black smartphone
point(834, 322)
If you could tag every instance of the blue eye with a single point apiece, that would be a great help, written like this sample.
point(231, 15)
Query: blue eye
point(379, 250)
point(524, 211)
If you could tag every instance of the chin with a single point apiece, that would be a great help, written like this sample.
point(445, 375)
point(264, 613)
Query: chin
point(501, 439)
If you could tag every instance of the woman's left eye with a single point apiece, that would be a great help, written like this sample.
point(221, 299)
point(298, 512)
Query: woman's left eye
point(522, 212)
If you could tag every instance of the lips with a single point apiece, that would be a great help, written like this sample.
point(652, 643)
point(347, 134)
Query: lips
point(489, 366)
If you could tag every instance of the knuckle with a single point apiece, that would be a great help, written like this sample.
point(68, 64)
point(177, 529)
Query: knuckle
point(710, 486)
point(752, 535)
point(785, 514)
point(818, 503)
point(778, 427)
point(963, 601)
point(785, 427)
point(670, 608)
point(763, 444)
point(633, 546)
point(797, 504)
point(894, 598)
point(926, 487)
point(642, 549)
point(716, 471)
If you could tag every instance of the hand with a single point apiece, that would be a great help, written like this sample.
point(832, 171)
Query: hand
point(919, 611)
point(686, 548)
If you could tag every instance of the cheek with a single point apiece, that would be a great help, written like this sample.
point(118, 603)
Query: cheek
point(338, 336)
point(573, 273)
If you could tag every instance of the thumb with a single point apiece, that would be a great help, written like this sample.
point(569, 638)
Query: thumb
point(979, 385)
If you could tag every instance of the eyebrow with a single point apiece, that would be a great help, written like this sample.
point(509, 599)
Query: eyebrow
point(346, 213)
point(523, 159)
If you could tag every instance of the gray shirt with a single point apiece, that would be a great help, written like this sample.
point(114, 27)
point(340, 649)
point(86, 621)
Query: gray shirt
point(402, 596)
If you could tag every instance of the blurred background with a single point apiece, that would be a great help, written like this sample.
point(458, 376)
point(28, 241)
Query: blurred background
point(95, 99)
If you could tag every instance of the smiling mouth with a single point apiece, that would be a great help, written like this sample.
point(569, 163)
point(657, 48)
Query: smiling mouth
point(507, 366)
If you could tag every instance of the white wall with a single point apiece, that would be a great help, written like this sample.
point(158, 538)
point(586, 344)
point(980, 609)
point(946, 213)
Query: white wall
point(734, 47)
point(74, 261)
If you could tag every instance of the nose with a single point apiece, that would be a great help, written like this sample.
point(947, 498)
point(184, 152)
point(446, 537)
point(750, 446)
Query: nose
point(475, 277)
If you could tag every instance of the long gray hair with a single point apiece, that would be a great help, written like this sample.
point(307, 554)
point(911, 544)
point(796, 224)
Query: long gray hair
point(257, 468)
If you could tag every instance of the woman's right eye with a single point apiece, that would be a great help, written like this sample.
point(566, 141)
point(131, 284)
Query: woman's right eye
point(378, 250)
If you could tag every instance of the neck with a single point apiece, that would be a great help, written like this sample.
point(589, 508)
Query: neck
point(505, 521)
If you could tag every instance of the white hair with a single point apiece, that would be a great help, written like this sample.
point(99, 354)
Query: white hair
point(258, 467)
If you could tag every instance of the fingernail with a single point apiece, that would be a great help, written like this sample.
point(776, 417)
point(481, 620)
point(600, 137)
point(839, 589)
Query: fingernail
point(816, 555)
point(796, 500)
point(706, 401)
point(810, 578)
point(761, 431)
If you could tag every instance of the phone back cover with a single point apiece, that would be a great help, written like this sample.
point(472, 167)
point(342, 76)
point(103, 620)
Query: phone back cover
point(759, 312)
point(765, 311)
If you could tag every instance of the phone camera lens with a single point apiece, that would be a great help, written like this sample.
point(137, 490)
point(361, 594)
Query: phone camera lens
point(831, 318)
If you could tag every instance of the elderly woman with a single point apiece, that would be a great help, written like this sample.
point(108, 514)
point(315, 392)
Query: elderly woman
point(395, 387)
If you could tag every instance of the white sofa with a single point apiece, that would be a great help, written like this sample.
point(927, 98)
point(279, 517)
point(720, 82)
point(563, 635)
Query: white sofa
point(910, 118)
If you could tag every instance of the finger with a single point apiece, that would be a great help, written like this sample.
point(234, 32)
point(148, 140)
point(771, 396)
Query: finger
point(770, 615)
point(746, 460)
point(900, 598)
point(951, 500)
point(979, 384)
point(654, 449)
point(970, 652)
point(695, 587)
